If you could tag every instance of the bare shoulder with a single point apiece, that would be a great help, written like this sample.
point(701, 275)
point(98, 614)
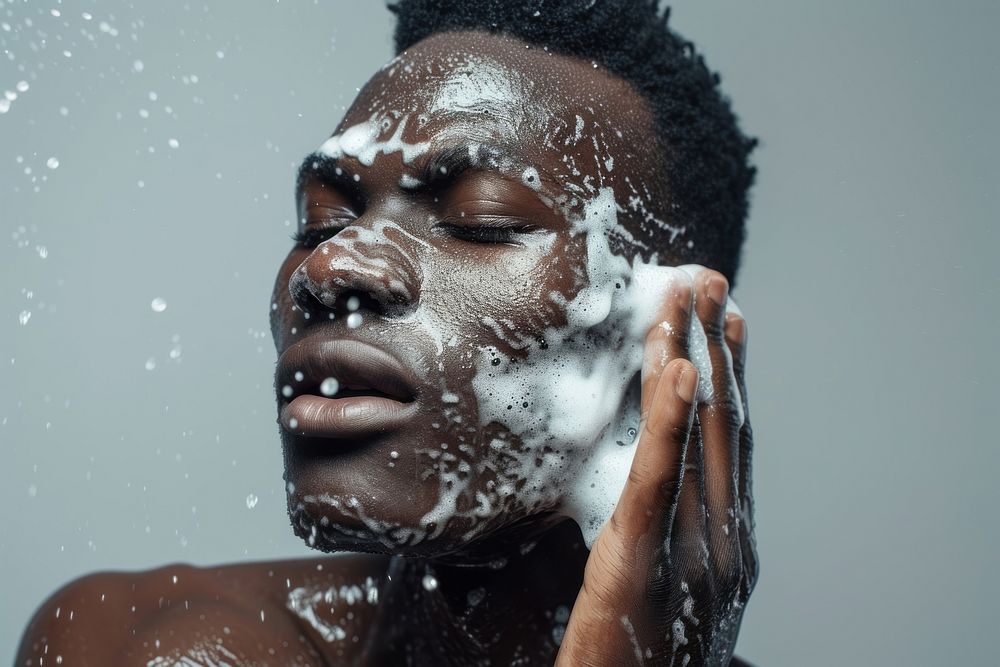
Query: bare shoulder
point(297, 612)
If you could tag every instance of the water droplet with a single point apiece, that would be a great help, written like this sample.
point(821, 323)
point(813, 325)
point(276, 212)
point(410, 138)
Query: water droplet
point(299, 376)
point(631, 432)
point(430, 582)
point(251, 501)
point(353, 303)
point(158, 305)
point(354, 320)
point(495, 361)
point(286, 391)
point(329, 387)
point(293, 423)
point(562, 614)
point(475, 596)
point(52, 163)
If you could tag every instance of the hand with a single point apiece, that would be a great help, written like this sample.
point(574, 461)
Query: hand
point(669, 574)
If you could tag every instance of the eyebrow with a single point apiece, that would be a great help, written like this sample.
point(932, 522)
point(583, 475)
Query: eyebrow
point(434, 173)
point(329, 171)
point(448, 165)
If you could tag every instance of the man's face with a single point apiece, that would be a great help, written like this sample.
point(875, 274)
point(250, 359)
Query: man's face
point(440, 304)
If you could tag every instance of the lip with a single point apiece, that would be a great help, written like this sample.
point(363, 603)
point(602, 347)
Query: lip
point(378, 393)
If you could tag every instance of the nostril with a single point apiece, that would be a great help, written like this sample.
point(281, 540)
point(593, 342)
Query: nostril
point(309, 296)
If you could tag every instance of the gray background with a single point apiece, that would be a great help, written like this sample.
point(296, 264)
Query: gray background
point(869, 284)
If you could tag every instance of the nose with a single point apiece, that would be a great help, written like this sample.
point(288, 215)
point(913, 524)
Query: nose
point(372, 264)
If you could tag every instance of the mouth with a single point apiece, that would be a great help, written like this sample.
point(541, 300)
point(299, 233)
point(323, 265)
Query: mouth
point(329, 388)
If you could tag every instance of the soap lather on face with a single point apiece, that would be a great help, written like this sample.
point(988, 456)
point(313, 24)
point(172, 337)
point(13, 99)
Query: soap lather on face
point(534, 336)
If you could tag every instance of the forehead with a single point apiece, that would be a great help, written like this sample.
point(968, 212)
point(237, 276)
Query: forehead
point(545, 107)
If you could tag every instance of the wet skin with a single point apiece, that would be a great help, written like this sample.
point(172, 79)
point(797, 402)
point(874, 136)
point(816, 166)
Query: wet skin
point(404, 265)
point(467, 260)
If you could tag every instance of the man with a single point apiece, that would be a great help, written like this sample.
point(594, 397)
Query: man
point(460, 328)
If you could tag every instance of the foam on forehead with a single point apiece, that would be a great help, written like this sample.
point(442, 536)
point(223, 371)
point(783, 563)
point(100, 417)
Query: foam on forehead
point(482, 86)
point(492, 84)
point(362, 142)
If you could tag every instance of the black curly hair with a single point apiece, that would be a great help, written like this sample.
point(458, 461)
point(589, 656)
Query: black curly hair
point(705, 155)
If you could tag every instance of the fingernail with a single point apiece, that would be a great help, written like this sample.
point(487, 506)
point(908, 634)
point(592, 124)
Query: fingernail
point(687, 383)
point(717, 291)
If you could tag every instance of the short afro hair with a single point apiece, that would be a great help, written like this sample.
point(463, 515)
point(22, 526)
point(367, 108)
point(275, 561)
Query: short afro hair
point(705, 155)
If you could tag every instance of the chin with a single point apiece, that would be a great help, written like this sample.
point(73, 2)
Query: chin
point(329, 523)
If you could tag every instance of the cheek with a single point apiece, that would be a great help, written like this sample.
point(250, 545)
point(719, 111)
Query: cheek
point(509, 301)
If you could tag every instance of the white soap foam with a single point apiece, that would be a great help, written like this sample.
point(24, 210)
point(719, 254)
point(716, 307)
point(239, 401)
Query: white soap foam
point(582, 415)
point(480, 85)
point(361, 141)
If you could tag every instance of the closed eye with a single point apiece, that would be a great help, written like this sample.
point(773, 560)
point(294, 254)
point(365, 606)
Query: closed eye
point(311, 237)
point(487, 229)
point(313, 232)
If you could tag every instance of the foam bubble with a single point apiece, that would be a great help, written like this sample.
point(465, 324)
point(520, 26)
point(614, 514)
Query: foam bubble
point(329, 387)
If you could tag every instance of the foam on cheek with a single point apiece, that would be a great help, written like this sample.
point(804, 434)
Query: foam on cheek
point(573, 404)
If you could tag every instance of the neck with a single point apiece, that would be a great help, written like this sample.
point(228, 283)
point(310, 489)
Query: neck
point(511, 598)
